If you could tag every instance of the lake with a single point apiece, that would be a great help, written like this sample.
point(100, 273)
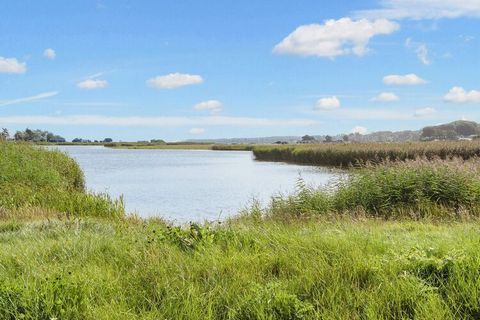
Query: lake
point(188, 185)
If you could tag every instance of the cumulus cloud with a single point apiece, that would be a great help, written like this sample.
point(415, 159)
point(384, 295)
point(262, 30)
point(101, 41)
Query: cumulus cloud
point(174, 80)
point(91, 84)
point(214, 106)
point(11, 65)
point(40, 96)
point(408, 79)
point(386, 97)
point(359, 130)
point(49, 54)
point(196, 131)
point(424, 112)
point(86, 120)
point(334, 37)
point(422, 9)
point(460, 95)
point(328, 103)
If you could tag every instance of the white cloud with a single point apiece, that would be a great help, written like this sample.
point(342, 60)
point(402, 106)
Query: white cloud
point(423, 9)
point(386, 97)
point(50, 54)
point(422, 54)
point(408, 79)
point(421, 50)
point(196, 131)
point(424, 112)
point(460, 95)
point(11, 65)
point(334, 37)
point(359, 130)
point(174, 80)
point(86, 120)
point(214, 106)
point(328, 103)
point(40, 96)
point(91, 84)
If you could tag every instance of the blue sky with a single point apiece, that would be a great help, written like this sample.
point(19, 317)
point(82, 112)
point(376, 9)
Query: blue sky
point(176, 70)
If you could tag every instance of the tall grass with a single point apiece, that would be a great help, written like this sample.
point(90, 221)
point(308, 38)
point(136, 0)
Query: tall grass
point(415, 189)
point(344, 155)
point(32, 177)
point(323, 270)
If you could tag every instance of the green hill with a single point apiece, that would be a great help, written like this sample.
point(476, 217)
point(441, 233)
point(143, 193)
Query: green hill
point(453, 130)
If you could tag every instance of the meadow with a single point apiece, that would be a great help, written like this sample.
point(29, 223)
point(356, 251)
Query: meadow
point(394, 240)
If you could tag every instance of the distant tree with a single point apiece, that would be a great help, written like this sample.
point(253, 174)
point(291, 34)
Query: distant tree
point(77, 140)
point(4, 135)
point(328, 139)
point(345, 138)
point(307, 138)
point(158, 141)
point(107, 140)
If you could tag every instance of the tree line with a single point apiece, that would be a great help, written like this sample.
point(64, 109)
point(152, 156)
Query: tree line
point(36, 135)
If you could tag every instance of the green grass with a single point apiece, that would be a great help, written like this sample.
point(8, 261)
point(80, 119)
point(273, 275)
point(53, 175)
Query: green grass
point(32, 177)
point(346, 154)
point(87, 269)
point(392, 241)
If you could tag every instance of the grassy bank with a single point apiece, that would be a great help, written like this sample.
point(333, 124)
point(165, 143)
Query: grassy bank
point(179, 146)
point(161, 146)
point(394, 241)
point(33, 178)
point(343, 155)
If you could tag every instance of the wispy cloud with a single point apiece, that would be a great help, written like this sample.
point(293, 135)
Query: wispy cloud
point(196, 131)
point(40, 96)
point(214, 106)
point(422, 9)
point(92, 84)
point(174, 80)
point(86, 120)
point(385, 97)
point(49, 54)
point(421, 50)
point(92, 104)
point(404, 80)
point(424, 112)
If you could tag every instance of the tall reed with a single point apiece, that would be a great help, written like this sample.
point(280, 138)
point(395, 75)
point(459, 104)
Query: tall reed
point(346, 154)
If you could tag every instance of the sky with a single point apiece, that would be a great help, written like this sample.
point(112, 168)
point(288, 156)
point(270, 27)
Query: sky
point(176, 70)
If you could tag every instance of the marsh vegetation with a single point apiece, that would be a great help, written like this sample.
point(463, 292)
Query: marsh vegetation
point(395, 240)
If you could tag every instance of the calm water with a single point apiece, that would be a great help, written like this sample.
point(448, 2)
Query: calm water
point(188, 185)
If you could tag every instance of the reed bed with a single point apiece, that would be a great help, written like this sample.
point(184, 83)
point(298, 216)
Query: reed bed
point(358, 154)
point(415, 189)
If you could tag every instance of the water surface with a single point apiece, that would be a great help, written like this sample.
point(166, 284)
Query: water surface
point(188, 185)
